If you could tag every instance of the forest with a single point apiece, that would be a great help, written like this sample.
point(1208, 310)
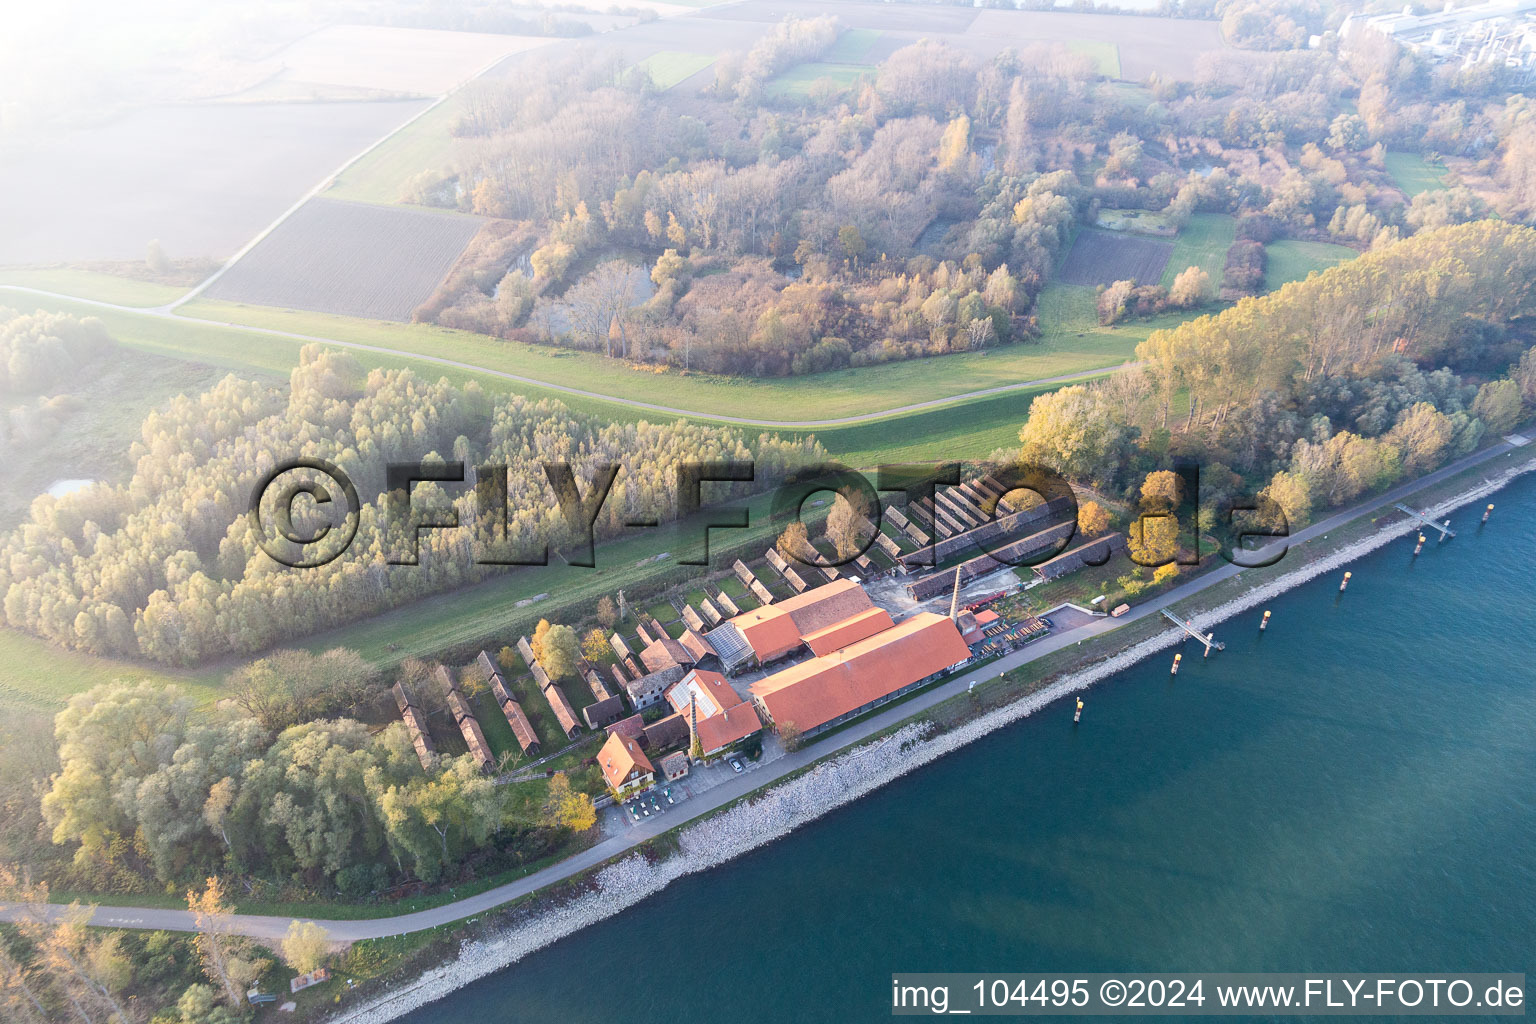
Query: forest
point(169, 566)
point(1377, 370)
point(921, 209)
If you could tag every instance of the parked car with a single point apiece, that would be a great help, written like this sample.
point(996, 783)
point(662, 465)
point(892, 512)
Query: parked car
point(735, 766)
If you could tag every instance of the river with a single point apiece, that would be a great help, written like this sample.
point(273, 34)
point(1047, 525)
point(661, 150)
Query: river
point(1353, 790)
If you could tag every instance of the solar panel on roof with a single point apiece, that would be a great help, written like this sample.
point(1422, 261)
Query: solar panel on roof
point(729, 644)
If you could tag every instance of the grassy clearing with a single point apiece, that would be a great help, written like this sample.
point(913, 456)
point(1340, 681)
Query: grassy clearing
point(425, 143)
point(670, 67)
point(1203, 243)
point(1290, 260)
point(797, 81)
point(36, 676)
point(1105, 54)
point(88, 284)
point(92, 441)
point(852, 47)
point(1414, 174)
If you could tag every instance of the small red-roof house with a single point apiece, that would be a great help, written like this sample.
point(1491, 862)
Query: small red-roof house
point(625, 767)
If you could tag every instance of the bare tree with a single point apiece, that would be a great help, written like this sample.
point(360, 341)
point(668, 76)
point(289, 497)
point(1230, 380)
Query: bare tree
point(600, 301)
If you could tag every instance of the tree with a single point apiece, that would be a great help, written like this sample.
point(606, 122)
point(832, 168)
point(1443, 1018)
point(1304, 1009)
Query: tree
point(566, 808)
point(289, 687)
point(306, 946)
point(1113, 301)
point(851, 241)
point(155, 258)
point(954, 148)
point(607, 612)
point(1076, 431)
point(552, 261)
point(1498, 405)
point(1422, 434)
point(594, 646)
point(431, 821)
point(1154, 540)
point(1161, 490)
point(789, 735)
point(556, 648)
point(795, 543)
point(1523, 373)
point(111, 738)
point(228, 959)
point(599, 304)
point(1190, 288)
point(1092, 520)
point(669, 267)
point(847, 527)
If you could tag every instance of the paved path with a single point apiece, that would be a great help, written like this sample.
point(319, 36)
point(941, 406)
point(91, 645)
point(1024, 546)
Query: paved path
point(349, 931)
point(168, 312)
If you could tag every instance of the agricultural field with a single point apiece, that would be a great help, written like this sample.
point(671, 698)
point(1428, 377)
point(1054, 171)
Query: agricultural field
point(672, 67)
point(1106, 55)
point(381, 175)
point(355, 259)
point(1104, 257)
point(1292, 260)
point(853, 46)
point(1202, 243)
point(1414, 174)
point(1141, 46)
point(203, 179)
point(798, 80)
point(386, 61)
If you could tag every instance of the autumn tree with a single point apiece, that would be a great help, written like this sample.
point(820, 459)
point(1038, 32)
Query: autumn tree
point(595, 647)
point(556, 648)
point(848, 526)
point(306, 946)
point(1161, 491)
point(1154, 540)
point(1092, 519)
point(431, 821)
point(567, 808)
point(607, 612)
point(1190, 288)
point(229, 960)
point(795, 543)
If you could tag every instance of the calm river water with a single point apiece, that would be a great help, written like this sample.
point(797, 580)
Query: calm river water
point(1353, 790)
